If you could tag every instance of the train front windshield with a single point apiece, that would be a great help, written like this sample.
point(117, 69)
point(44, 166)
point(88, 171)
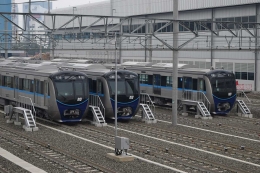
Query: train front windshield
point(223, 85)
point(70, 89)
point(127, 86)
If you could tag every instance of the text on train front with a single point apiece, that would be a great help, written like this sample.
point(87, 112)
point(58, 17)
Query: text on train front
point(127, 92)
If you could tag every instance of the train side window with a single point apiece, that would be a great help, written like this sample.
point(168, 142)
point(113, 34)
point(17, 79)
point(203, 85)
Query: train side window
point(47, 89)
point(100, 88)
point(16, 82)
point(94, 86)
point(180, 79)
point(20, 84)
point(150, 79)
point(38, 87)
point(1, 80)
point(163, 80)
point(26, 85)
point(195, 84)
point(169, 81)
point(188, 83)
point(90, 81)
point(143, 78)
point(31, 83)
point(42, 87)
point(8, 81)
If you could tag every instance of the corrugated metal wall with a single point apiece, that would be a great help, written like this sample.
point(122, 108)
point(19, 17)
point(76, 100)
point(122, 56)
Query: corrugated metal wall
point(139, 7)
point(101, 8)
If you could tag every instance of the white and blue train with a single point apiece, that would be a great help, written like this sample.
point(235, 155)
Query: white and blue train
point(102, 83)
point(59, 95)
point(219, 86)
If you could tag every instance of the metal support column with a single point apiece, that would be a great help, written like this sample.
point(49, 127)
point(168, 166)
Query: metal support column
point(257, 75)
point(175, 62)
point(145, 48)
point(150, 42)
point(212, 39)
point(120, 44)
point(115, 86)
point(40, 48)
point(52, 57)
point(6, 52)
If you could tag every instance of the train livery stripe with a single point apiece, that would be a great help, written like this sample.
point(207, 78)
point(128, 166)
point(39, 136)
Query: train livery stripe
point(23, 91)
point(72, 105)
point(224, 99)
point(125, 102)
point(168, 88)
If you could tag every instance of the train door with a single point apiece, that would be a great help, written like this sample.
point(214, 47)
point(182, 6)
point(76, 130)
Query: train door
point(46, 93)
point(100, 89)
point(37, 92)
point(187, 84)
point(201, 86)
point(157, 84)
point(16, 87)
point(187, 87)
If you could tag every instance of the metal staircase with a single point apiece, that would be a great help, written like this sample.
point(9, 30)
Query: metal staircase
point(29, 119)
point(180, 107)
point(98, 110)
point(98, 118)
point(147, 114)
point(195, 99)
point(26, 108)
point(203, 109)
point(243, 107)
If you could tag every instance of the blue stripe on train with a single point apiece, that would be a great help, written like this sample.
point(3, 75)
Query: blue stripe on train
point(23, 91)
point(168, 88)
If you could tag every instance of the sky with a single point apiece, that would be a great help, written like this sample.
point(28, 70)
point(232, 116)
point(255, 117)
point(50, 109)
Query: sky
point(63, 3)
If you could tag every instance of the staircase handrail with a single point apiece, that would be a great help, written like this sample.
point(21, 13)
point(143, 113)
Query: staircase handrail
point(196, 96)
point(23, 105)
point(149, 98)
point(26, 118)
point(95, 100)
point(246, 97)
point(207, 102)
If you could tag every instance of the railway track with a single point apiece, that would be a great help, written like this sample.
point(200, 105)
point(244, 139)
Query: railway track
point(224, 124)
point(170, 157)
point(217, 146)
point(40, 150)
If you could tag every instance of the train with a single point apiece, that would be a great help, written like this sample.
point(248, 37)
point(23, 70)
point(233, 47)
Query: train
point(102, 84)
point(44, 84)
point(67, 88)
point(217, 86)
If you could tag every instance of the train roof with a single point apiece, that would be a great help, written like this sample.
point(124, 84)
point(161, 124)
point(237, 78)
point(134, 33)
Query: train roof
point(140, 67)
point(20, 67)
point(154, 65)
